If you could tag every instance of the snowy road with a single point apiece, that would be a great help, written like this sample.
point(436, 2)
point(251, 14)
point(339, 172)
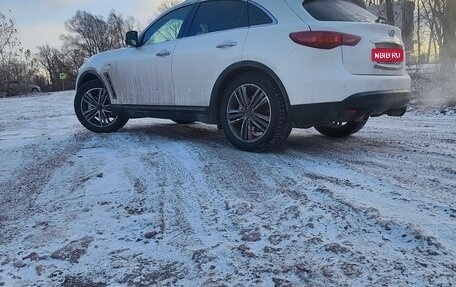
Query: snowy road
point(159, 204)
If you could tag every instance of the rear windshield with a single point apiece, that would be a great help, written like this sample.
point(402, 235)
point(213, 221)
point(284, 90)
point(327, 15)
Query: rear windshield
point(338, 10)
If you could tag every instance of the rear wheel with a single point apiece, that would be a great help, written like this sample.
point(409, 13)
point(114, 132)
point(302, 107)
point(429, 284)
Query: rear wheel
point(340, 129)
point(93, 109)
point(34, 90)
point(253, 113)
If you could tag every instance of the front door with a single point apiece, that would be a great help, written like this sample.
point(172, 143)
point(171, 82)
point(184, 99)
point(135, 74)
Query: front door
point(144, 74)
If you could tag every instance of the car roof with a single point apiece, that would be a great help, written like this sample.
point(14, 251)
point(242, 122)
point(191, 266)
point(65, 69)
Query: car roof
point(186, 2)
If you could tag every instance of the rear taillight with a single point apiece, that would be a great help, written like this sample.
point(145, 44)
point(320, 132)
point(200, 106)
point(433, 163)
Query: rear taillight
point(324, 39)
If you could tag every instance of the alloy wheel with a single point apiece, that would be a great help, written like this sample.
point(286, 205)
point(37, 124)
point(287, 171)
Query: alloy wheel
point(249, 113)
point(96, 108)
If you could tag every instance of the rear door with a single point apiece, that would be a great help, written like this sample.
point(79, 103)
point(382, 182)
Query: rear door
point(215, 39)
point(347, 16)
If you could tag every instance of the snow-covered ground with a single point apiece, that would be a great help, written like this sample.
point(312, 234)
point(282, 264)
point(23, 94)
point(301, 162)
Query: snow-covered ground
point(161, 204)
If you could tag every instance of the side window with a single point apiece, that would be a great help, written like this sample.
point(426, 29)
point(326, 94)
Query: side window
point(213, 16)
point(167, 28)
point(257, 16)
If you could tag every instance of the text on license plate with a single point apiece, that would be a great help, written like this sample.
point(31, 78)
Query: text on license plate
point(388, 55)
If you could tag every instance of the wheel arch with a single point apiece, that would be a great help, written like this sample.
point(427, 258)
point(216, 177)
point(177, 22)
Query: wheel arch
point(232, 71)
point(87, 76)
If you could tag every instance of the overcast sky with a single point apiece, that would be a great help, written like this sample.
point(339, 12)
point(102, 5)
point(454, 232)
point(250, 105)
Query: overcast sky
point(42, 21)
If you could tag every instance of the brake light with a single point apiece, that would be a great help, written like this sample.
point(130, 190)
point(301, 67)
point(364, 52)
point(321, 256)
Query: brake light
point(324, 39)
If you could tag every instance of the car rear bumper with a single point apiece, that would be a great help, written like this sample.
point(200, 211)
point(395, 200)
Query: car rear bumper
point(355, 107)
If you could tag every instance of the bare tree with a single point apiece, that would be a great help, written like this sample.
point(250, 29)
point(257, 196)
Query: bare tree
point(9, 45)
point(87, 32)
point(93, 34)
point(408, 25)
point(418, 30)
point(118, 26)
point(8, 33)
point(439, 20)
point(448, 52)
point(15, 62)
point(390, 12)
point(50, 59)
point(432, 12)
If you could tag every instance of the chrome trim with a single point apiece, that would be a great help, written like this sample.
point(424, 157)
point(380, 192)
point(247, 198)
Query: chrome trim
point(388, 67)
point(227, 44)
point(111, 86)
point(395, 41)
point(163, 53)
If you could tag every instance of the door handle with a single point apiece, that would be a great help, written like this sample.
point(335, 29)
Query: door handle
point(227, 44)
point(163, 53)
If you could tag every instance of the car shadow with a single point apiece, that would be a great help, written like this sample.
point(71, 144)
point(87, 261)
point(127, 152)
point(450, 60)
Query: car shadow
point(302, 141)
point(193, 133)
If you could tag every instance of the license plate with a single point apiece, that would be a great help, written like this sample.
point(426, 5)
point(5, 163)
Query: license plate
point(387, 55)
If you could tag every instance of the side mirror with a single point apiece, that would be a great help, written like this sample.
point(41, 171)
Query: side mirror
point(131, 38)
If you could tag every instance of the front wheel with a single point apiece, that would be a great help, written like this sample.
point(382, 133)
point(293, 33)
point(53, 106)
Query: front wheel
point(340, 129)
point(34, 90)
point(253, 113)
point(93, 109)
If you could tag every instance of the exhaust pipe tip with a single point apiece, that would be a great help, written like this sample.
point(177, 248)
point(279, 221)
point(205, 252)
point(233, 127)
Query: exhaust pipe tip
point(397, 113)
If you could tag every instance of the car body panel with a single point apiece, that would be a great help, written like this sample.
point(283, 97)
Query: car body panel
point(270, 44)
point(199, 56)
point(143, 77)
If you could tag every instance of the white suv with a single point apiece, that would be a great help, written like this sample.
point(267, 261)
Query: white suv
point(255, 68)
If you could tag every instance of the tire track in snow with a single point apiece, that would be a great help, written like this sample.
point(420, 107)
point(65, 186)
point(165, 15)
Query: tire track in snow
point(337, 166)
point(182, 172)
point(244, 193)
point(186, 219)
point(322, 180)
point(19, 192)
point(213, 206)
point(394, 232)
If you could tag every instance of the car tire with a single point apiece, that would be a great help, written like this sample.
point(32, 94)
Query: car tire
point(93, 108)
point(34, 90)
point(253, 113)
point(183, 122)
point(340, 130)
